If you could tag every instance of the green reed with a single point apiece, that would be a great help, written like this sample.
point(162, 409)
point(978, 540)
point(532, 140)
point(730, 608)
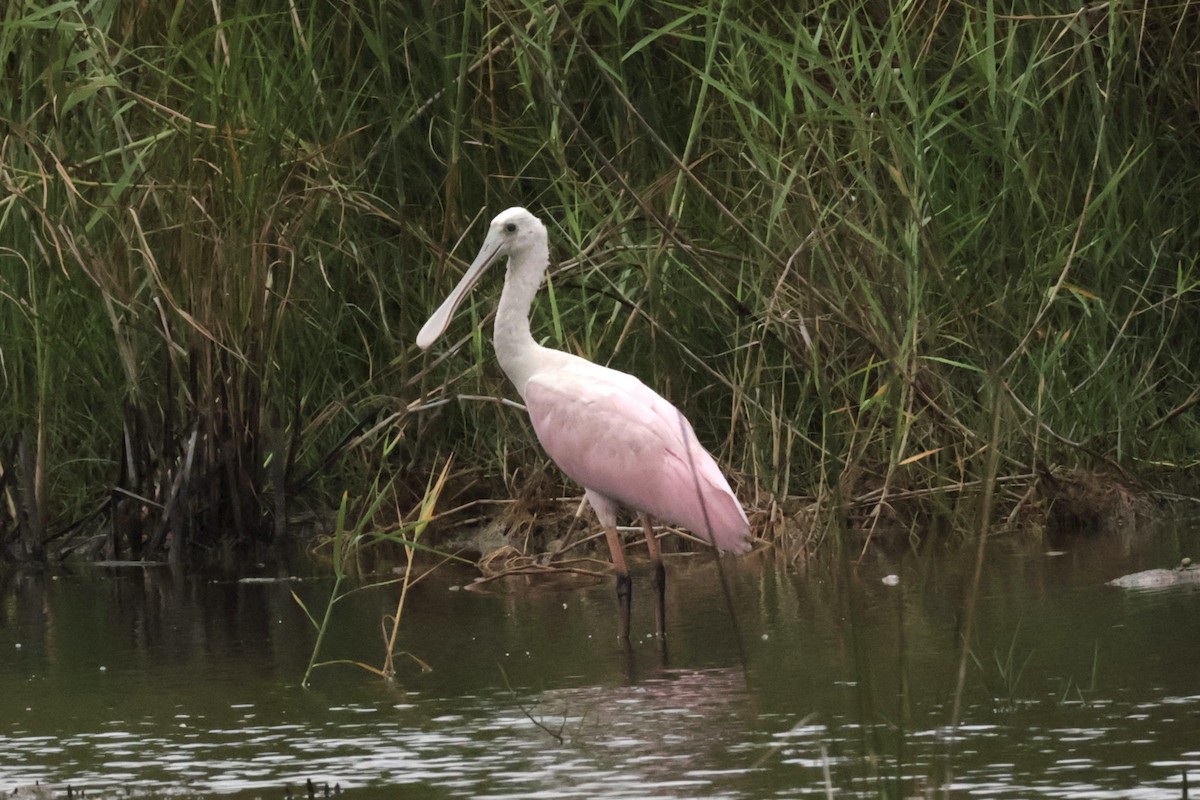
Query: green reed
point(818, 231)
point(350, 541)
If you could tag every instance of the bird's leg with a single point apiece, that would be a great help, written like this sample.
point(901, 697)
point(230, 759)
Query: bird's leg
point(624, 583)
point(660, 578)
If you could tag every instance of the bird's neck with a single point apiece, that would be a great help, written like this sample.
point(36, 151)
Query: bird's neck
point(515, 348)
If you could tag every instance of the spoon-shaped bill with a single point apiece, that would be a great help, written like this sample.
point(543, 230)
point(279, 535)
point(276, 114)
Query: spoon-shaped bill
point(440, 320)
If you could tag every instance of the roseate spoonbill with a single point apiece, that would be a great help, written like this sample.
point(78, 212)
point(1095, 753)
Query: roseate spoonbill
point(620, 440)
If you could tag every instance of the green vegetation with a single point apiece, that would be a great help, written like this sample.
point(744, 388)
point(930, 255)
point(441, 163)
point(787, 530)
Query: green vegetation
point(350, 543)
point(826, 234)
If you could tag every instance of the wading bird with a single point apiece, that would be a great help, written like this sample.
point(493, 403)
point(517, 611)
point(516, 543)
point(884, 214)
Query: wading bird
point(627, 446)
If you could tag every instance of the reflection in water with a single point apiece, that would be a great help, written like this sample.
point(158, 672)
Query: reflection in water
point(136, 679)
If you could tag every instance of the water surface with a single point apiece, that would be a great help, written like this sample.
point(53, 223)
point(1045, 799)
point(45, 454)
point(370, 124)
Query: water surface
point(823, 678)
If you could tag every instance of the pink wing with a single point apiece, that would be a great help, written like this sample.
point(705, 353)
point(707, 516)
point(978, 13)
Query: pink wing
point(615, 436)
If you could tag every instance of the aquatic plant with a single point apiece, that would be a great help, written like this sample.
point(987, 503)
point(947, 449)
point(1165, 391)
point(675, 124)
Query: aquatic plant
point(818, 231)
point(350, 542)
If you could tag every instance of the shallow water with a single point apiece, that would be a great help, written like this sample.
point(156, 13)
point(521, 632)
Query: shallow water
point(132, 679)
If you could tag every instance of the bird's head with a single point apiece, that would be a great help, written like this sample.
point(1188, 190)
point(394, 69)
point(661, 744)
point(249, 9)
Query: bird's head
point(514, 233)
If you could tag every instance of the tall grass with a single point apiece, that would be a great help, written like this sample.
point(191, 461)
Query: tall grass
point(349, 542)
point(820, 232)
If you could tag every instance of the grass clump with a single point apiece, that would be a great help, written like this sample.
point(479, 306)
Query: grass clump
point(819, 232)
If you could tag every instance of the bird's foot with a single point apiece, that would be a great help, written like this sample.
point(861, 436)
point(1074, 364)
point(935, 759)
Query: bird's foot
point(624, 604)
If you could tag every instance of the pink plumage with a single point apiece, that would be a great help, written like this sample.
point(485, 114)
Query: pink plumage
point(613, 435)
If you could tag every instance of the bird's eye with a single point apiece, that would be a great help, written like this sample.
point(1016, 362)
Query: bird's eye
point(511, 227)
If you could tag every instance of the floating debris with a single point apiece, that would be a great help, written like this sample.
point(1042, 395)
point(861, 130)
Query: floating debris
point(1186, 574)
